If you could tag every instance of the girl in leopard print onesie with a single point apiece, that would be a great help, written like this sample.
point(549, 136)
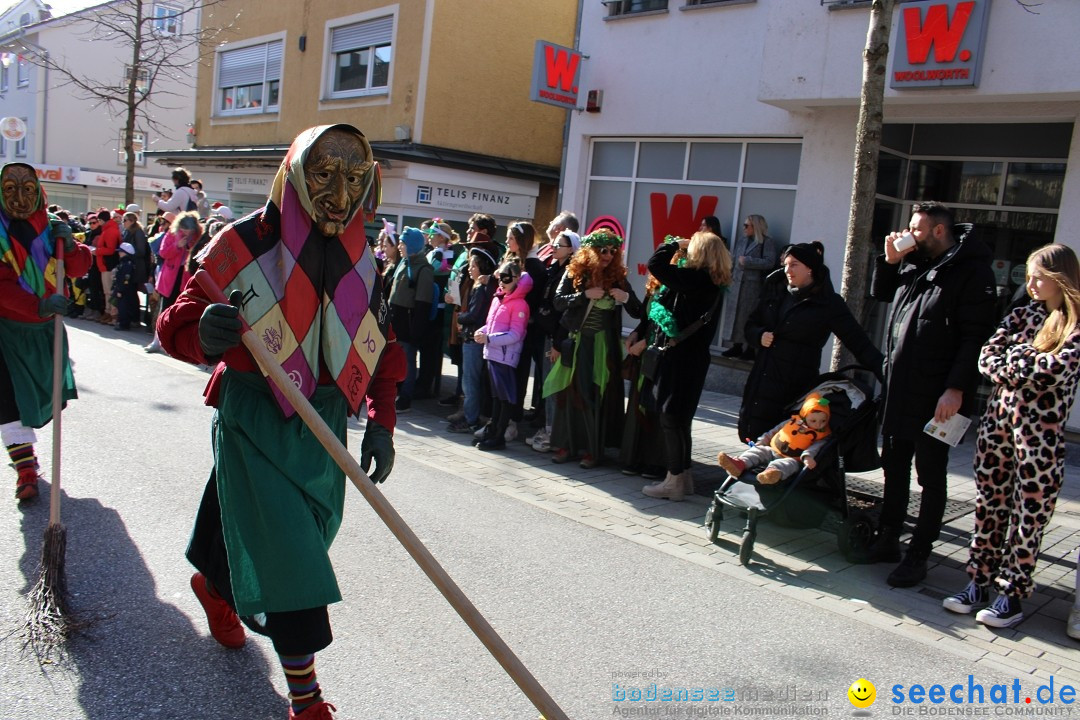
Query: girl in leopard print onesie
point(1034, 362)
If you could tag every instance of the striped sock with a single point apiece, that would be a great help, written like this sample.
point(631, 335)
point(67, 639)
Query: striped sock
point(303, 686)
point(22, 457)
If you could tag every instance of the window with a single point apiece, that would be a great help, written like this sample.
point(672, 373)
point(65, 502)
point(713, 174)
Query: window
point(142, 83)
point(249, 79)
point(166, 19)
point(138, 146)
point(3, 147)
point(360, 55)
point(20, 145)
point(647, 188)
point(3, 78)
point(24, 72)
point(631, 7)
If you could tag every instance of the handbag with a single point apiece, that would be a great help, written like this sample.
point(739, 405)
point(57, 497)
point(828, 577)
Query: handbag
point(650, 362)
point(654, 354)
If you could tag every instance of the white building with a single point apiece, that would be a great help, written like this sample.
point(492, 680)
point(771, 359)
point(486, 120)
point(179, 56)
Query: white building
point(75, 144)
point(734, 107)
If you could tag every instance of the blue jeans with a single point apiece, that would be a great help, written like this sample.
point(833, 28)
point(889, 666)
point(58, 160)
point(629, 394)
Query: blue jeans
point(472, 375)
point(408, 386)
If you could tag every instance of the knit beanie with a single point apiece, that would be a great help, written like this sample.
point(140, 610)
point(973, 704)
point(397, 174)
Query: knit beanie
point(811, 254)
point(413, 240)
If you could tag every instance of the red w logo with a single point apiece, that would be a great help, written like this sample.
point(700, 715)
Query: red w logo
point(937, 31)
point(682, 220)
point(561, 68)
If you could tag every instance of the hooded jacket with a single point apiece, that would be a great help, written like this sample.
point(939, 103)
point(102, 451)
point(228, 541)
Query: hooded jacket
point(943, 311)
point(507, 321)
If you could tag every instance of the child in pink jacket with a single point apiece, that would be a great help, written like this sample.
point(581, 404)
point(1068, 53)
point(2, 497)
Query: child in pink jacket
point(502, 337)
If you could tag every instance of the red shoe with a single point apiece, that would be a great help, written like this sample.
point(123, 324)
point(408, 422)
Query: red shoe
point(224, 624)
point(318, 711)
point(561, 455)
point(26, 487)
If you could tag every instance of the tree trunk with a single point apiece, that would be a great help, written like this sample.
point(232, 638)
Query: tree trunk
point(129, 119)
point(859, 252)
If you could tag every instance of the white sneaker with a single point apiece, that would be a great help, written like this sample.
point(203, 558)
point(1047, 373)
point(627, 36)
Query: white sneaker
point(1073, 628)
point(543, 442)
point(511, 432)
point(539, 435)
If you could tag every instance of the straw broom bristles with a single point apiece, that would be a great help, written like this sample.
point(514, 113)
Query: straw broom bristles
point(48, 621)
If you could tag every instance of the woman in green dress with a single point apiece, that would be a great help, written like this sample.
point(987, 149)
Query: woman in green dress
point(592, 296)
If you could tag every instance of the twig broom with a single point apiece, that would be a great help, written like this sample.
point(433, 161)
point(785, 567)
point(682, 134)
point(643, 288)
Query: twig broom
point(48, 621)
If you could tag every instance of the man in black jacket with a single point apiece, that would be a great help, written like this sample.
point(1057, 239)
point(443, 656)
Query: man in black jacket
point(943, 295)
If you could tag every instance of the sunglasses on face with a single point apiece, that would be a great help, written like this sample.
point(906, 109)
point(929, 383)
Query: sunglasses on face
point(606, 251)
point(506, 279)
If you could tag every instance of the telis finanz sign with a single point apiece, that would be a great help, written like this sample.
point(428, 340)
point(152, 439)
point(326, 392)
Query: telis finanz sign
point(939, 43)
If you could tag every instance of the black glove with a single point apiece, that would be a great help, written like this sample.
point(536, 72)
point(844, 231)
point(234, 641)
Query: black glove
point(53, 305)
point(220, 326)
point(378, 445)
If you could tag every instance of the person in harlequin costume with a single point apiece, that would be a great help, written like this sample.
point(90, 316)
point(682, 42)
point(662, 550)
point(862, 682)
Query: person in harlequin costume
point(788, 446)
point(29, 297)
point(301, 274)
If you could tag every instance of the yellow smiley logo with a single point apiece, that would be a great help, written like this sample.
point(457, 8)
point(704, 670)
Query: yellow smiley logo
point(862, 693)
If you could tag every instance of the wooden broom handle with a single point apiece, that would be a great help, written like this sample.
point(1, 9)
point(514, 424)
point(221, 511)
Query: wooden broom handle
point(57, 389)
point(423, 557)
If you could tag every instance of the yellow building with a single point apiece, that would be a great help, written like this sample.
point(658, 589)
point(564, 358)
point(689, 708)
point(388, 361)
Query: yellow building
point(440, 88)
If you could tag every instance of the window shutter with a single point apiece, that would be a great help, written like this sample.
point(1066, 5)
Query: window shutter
point(273, 60)
point(362, 35)
point(250, 65)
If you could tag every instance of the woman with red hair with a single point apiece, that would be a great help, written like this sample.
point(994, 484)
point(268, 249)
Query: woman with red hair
point(592, 295)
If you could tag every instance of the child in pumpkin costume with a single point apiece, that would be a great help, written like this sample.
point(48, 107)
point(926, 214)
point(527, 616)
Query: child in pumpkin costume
point(788, 446)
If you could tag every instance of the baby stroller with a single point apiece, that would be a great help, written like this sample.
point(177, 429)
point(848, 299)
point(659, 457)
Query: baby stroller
point(811, 495)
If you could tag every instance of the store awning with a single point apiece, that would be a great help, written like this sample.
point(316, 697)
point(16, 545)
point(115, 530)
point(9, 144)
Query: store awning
point(270, 156)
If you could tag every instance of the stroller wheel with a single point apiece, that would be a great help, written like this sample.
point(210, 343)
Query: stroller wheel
point(855, 533)
point(746, 549)
point(713, 517)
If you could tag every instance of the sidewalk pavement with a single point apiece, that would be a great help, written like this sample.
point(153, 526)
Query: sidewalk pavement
point(802, 565)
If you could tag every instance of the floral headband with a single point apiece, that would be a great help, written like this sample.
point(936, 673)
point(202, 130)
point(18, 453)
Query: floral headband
point(602, 238)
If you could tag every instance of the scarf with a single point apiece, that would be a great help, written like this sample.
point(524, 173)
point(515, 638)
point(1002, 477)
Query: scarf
point(27, 246)
point(309, 298)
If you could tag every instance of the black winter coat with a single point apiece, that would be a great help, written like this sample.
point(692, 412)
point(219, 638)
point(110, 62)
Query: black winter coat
point(573, 304)
point(943, 311)
point(691, 293)
point(791, 366)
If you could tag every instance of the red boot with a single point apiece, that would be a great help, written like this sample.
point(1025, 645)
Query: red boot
point(26, 488)
point(224, 624)
point(318, 711)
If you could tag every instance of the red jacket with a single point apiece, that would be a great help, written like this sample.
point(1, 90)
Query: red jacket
point(178, 332)
point(106, 243)
point(18, 304)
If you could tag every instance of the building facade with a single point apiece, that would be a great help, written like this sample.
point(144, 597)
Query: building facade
point(440, 89)
point(74, 142)
point(738, 107)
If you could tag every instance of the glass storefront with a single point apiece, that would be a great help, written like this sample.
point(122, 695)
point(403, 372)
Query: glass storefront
point(647, 189)
point(1007, 179)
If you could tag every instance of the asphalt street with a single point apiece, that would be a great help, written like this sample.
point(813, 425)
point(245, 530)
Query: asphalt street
point(591, 614)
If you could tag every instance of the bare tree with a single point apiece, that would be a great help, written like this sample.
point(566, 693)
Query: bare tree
point(162, 41)
point(860, 248)
point(858, 251)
